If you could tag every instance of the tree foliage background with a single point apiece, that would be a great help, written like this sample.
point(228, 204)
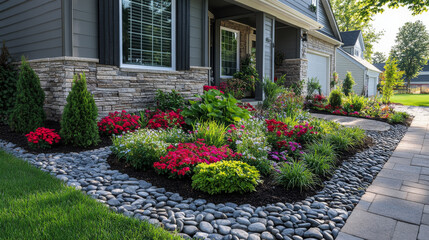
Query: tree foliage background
point(411, 49)
point(349, 18)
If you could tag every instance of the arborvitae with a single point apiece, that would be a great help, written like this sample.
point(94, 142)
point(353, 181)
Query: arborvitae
point(8, 79)
point(348, 84)
point(27, 114)
point(79, 120)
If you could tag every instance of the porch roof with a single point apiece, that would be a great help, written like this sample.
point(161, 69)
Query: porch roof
point(282, 12)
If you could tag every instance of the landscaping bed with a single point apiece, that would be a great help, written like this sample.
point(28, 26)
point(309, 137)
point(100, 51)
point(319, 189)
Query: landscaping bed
point(20, 140)
point(266, 193)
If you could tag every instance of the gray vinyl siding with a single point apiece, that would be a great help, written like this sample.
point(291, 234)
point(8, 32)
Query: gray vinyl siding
point(85, 28)
point(323, 19)
point(302, 6)
point(268, 50)
point(345, 65)
point(31, 28)
point(196, 33)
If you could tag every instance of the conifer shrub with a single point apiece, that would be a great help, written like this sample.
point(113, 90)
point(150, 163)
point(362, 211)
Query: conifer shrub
point(348, 84)
point(79, 120)
point(335, 98)
point(27, 114)
point(8, 79)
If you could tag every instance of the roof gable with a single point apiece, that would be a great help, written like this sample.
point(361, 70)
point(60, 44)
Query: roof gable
point(327, 18)
point(350, 38)
point(359, 61)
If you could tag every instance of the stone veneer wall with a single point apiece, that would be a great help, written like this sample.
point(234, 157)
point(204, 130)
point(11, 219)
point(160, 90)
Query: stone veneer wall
point(114, 88)
point(295, 70)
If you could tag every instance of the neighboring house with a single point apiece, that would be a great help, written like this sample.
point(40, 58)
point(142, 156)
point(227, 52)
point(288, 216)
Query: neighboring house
point(420, 84)
point(350, 58)
point(130, 48)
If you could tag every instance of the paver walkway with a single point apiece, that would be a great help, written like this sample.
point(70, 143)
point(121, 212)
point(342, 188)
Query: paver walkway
point(366, 124)
point(396, 205)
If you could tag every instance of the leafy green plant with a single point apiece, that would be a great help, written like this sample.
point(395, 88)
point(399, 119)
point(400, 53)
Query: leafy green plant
point(272, 90)
point(215, 106)
point(391, 78)
point(8, 80)
point(323, 148)
point(324, 127)
point(28, 114)
point(357, 135)
point(339, 142)
point(141, 148)
point(334, 80)
point(225, 177)
point(249, 139)
point(348, 84)
point(169, 101)
point(248, 74)
point(335, 98)
point(212, 132)
point(295, 175)
point(354, 103)
point(79, 120)
point(298, 87)
point(313, 85)
point(398, 117)
point(234, 86)
point(287, 104)
point(318, 163)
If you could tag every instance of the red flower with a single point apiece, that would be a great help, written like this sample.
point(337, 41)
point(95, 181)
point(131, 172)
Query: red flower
point(118, 122)
point(181, 160)
point(165, 120)
point(43, 138)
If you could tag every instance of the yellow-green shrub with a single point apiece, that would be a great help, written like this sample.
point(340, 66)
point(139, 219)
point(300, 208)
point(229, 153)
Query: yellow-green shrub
point(225, 177)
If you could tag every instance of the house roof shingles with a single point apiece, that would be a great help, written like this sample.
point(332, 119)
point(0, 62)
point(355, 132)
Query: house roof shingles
point(350, 38)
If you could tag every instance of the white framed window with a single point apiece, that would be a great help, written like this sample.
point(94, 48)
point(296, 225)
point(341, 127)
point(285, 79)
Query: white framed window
point(147, 34)
point(230, 52)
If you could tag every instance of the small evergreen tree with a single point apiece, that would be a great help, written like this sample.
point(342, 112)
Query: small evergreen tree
point(8, 79)
point(79, 120)
point(392, 78)
point(28, 113)
point(348, 84)
point(335, 98)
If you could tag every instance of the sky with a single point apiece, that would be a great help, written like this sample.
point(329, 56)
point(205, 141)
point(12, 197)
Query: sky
point(390, 21)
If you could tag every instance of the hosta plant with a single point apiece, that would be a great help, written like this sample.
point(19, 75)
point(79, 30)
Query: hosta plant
point(215, 106)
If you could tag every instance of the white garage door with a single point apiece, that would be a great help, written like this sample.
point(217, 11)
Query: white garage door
point(372, 86)
point(318, 67)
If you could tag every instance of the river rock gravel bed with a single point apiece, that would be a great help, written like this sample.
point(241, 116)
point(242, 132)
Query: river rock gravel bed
point(318, 217)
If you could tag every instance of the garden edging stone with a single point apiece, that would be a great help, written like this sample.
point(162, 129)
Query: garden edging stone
point(316, 217)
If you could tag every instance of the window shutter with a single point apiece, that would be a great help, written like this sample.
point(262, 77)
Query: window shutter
point(108, 32)
point(182, 34)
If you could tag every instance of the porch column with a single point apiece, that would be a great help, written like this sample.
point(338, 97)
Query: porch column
point(217, 44)
point(265, 25)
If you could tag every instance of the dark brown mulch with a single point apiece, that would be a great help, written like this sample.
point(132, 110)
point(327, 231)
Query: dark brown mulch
point(265, 193)
point(21, 141)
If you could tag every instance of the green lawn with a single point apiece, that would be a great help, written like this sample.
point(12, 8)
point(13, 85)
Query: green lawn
point(35, 205)
point(411, 99)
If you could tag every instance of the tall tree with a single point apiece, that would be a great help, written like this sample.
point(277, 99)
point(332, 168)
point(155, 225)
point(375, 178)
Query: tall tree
point(379, 57)
point(349, 18)
point(370, 7)
point(411, 49)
